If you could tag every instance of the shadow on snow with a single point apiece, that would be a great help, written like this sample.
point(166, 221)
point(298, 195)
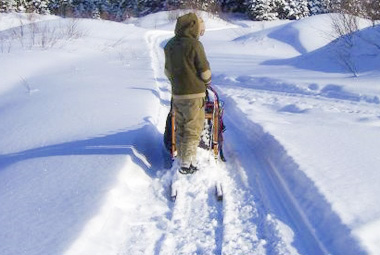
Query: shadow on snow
point(284, 190)
point(146, 140)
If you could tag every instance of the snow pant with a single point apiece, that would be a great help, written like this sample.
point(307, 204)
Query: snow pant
point(189, 122)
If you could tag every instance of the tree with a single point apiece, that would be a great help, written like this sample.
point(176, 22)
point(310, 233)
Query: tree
point(300, 9)
point(353, 7)
point(372, 10)
point(291, 9)
point(38, 6)
point(89, 8)
point(8, 5)
point(318, 6)
point(143, 7)
point(233, 5)
point(261, 10)
point(61, 7)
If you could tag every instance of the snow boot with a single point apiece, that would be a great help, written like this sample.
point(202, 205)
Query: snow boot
point(188, 170)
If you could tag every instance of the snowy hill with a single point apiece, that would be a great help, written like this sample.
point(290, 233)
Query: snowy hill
point(83, 169)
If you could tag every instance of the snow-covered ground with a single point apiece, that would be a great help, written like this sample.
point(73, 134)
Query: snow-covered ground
point(83, 169)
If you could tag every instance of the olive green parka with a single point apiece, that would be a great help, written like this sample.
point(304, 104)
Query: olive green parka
point(186, 64)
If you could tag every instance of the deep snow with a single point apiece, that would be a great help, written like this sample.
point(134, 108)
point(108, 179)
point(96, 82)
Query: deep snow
point(82, 165)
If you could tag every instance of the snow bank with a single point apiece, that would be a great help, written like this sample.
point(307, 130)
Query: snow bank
point(75, 116)
point(10, 20)
point(82, 162)
point(311, 126)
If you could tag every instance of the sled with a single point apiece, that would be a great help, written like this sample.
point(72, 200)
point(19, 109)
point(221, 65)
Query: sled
point(211, 137)
point(212, 134)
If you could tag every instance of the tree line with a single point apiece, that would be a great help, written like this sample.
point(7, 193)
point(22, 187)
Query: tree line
point(254, 9)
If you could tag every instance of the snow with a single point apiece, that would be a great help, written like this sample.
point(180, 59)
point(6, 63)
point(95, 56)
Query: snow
point(83, 169)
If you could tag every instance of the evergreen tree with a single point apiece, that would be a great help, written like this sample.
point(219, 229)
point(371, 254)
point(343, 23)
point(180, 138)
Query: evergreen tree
point(210, 6)
point(301, 9)
point(373, 10)
point(61, 7)
point(281, 7)
point(233, 5)
point(353, 7)
point(88, 8)
point(144, 7)
point(8, 5)
point(174, 4)
point(117, 10)
point(38, 6)
point(261, 9)
point(318, 6)
point(291, 9)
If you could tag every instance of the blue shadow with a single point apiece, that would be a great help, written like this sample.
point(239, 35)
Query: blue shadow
point(333, 57)
point(147, 141)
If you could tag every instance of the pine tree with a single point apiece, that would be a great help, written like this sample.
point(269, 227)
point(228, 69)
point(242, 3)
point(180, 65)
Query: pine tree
point(261, 10)
point(301, 9)
point(8, 5)
point(292, 9)
point(318, 6)
point(144, 7)
point(233, 5)
point(174, 4)
point(209, 5)
point(61, 7)
point(38, 6)
point(282, 8)
point(87, 8)
point(373, 10)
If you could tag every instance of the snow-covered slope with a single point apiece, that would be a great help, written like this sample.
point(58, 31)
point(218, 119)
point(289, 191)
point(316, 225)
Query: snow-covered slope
point(83, 170)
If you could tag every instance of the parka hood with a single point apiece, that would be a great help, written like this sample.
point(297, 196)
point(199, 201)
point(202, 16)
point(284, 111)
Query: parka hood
point(188, 26)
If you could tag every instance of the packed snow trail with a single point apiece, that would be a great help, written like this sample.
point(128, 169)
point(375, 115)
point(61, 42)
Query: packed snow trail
point(198, 224)
point(195, 220)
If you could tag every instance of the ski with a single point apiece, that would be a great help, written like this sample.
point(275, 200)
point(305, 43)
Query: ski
point(219, 191)
point(173, 194)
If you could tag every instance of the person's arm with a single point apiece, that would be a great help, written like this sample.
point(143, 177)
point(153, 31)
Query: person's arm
point(167, 64)
point(167, 73)
point(202, 65)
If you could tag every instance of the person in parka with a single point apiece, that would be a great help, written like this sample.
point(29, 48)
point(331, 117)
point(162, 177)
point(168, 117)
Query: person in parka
point(188, 70)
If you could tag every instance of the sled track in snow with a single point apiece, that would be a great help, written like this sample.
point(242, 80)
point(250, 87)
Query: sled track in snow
point(272, 195)
point(195, 224)
point(256, 200)
point(196, 218)
point(274, 176)
point(236, 226)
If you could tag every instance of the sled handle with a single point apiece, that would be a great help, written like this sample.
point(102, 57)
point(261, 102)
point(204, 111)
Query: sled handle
point(173, 134)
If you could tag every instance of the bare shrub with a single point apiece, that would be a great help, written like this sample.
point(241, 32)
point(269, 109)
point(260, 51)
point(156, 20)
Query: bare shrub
point(368, 9)
point(73, 30)
point(40, 34)
point(344, 27)
point(48, 37)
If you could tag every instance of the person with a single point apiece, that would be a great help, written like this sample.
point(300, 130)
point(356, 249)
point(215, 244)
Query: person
point(188, 70)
